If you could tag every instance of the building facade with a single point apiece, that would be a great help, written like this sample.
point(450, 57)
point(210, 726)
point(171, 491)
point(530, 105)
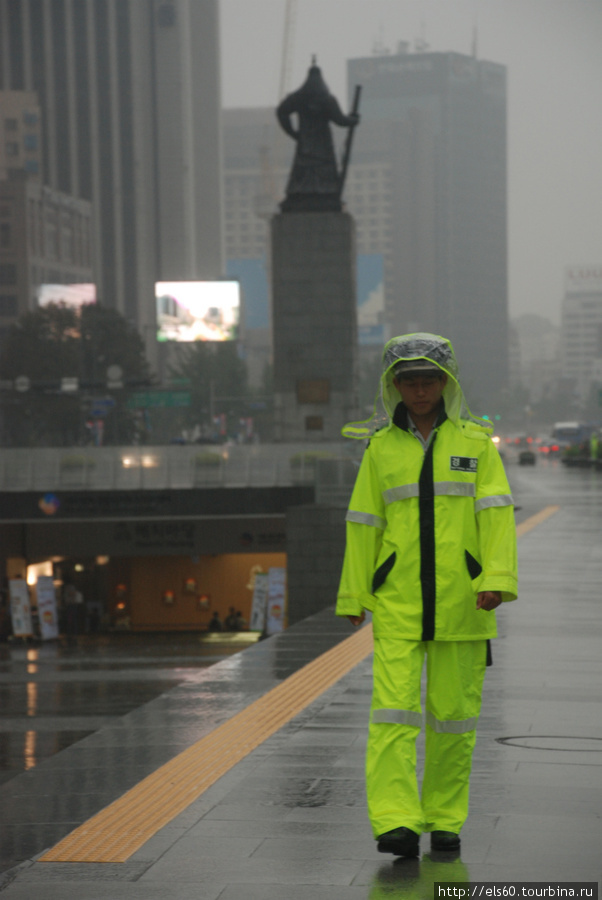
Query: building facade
point(440, 123)
point(130, 119)
point(581, 329)
point(20, 134)
point(45, 239)
point(534, 353)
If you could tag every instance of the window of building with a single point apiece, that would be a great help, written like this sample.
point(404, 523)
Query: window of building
point(31, 225)
point(8, 305)
point(166, 15)
point(5, 235)
point(12, 149)
point(39, 224)
point(51, 240)
point(8, 273)
point(67, 243)
point(32, 166)
point(86, 249)
point(30, 141)
point(10, 125)
point(30, 119)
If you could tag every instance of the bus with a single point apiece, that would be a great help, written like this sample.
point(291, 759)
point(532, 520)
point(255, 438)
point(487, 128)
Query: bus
point(567, 434)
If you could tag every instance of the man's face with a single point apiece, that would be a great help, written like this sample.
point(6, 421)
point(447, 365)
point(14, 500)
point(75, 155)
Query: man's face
point(421, 393)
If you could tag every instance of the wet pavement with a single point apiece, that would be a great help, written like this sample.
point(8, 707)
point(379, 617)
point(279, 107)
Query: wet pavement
point(289, 821)
point(53, 694)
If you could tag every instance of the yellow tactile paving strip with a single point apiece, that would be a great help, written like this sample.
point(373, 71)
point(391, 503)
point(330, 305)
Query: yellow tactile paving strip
point(535, 520)
point(120, 829)
point(116, 832)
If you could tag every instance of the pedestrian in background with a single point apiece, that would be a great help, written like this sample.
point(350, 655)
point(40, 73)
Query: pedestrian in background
point(230, 623)
point(215, 623)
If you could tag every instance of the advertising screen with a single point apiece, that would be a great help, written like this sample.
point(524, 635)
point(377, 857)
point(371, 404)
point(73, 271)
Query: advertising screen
point(197, 310)
point(73, 295)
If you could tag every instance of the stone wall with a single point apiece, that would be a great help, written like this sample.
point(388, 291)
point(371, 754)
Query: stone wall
point(315, 549)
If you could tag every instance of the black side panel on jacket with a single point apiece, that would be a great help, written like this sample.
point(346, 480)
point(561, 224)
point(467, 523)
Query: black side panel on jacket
point(473, 565)
point(427, 543)
point(383, 570)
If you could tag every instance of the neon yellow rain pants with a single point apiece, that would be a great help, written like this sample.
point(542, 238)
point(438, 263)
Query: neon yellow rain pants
point(455, 672)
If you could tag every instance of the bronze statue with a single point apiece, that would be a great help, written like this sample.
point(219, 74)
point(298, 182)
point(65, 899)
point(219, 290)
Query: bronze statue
point(315, 183)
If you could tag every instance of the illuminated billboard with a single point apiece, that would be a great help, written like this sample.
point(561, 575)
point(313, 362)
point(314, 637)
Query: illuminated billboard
point(197, 310)
point(72, 295)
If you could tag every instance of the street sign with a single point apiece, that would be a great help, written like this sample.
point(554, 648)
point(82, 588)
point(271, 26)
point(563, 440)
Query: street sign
point(115, 377)
point(148, 399)
point(100, 406)
point(22, 383)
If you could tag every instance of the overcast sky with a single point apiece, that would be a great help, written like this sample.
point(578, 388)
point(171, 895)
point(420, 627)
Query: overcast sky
point(553, 51)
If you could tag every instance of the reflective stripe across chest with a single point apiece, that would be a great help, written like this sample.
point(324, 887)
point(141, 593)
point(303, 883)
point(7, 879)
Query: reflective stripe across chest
point(463, 485)
point(440, 489)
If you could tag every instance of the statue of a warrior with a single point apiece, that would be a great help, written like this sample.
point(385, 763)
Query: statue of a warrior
point(315, 182)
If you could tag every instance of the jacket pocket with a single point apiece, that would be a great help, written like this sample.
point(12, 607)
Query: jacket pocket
point(381, 573)
point(473, 565)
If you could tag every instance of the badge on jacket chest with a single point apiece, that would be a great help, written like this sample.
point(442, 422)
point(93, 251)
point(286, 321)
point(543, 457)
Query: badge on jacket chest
point(462, 464)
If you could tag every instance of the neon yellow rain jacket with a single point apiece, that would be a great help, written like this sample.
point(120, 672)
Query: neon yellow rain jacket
point(426, 531)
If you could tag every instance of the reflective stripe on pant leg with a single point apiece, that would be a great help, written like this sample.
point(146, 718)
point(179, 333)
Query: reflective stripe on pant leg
point(396, 716)
point(455, 672)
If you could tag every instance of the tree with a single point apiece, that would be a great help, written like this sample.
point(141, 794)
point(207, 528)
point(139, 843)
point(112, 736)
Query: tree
point(55, 342)
point(218, 385)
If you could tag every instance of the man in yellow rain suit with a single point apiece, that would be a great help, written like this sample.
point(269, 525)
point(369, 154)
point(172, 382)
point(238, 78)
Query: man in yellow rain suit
point(431, 551)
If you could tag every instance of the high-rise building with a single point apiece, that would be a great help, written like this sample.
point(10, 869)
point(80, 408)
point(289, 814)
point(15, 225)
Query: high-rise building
point(45, 239)
point(130, 115)
point(581, 329)
point(20, 143)
point(435, 123)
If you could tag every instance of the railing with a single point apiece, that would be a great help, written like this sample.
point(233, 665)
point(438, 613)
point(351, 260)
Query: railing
point(328, 466)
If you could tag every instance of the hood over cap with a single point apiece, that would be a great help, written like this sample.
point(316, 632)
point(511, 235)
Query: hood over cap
point(427, 351)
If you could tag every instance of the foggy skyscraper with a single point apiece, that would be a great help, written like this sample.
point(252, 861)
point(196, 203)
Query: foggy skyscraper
point(438, 122)
point(130, 103)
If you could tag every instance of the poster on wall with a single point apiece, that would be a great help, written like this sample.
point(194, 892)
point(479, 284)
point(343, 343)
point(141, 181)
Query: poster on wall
point(20, 609)
point(47, 611)
point(276, 600)
point(260, 601)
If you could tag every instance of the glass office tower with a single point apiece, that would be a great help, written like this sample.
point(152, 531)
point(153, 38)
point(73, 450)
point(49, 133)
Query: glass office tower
point(437, 121)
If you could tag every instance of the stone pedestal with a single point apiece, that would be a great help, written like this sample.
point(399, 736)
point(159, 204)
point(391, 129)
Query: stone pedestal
point(315, 539)
point(314, 300)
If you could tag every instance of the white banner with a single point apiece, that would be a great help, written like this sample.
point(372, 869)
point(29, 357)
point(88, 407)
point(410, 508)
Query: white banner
point(20, 609)
point(47, 611)
point(276, 600)
point(260, 601)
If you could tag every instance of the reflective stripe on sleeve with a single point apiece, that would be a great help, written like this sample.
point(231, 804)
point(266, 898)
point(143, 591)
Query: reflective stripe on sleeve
point(403, 492)
point(396, 717)
point(441, 489)
point(451, 726)
point(361, 518)
point(499, 500)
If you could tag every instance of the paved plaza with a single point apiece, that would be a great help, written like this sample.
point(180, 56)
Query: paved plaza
point(288, 822)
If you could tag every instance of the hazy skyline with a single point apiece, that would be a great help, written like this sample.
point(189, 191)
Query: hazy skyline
point(553, 51)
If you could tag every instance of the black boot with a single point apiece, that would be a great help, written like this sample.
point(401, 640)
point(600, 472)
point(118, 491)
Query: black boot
point(400, 842)
point(445, 840)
